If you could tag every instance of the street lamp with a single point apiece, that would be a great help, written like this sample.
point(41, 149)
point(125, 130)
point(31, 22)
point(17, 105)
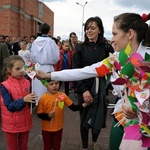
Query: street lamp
point(82, 17)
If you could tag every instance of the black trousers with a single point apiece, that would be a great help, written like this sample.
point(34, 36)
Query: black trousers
point(84, 131)
point(66, 86)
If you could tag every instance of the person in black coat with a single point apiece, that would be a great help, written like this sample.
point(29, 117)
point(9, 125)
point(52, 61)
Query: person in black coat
point(94, 49)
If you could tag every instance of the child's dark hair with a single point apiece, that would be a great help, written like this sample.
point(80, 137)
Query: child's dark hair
point(8, 64)
point(49, 80)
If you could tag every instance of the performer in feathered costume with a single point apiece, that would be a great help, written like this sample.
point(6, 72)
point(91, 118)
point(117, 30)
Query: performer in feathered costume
point(130, 75)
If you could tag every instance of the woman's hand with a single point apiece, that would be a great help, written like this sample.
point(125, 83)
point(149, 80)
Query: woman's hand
point(87, 97)
point(128, 112)
point(43, 75)
point(30, 98)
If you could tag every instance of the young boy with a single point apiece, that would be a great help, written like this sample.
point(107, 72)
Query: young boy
point(51, 112)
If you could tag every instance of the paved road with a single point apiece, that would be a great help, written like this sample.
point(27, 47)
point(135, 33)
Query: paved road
point(71, 135)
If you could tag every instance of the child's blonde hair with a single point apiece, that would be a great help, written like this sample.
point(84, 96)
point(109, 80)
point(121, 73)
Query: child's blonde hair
point(9, 63)
point(65, 41)
point(23, 42)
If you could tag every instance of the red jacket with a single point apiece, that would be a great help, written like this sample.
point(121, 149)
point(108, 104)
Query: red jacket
point(58, 65)
point(18, 121)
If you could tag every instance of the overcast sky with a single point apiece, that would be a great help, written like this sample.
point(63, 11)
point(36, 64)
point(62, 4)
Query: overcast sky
point(68, 15)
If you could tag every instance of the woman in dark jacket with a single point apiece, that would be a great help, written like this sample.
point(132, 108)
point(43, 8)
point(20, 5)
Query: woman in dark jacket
point(94, 49)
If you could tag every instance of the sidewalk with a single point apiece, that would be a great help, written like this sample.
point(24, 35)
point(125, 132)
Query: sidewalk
point(71, 133)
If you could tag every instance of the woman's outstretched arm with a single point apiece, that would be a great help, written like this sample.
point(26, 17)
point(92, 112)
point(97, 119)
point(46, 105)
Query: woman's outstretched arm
point(98, 69)
point(71, 74)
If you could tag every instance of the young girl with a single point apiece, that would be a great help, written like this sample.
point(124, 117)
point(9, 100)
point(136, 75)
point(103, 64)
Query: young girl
point(65, 61)
point(24, 53)
point(15, 104)
point(51, 112)
point(127, 28)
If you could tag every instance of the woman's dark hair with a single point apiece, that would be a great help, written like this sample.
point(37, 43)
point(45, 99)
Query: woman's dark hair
point(147, 38)
point(100, 26)
point(45, 28)
point(127, 21)
point(33, 36)
point(55, 40)
point(70, 35)
point(9, 63)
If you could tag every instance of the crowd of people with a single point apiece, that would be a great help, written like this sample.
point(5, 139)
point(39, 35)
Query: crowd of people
point(85, 66)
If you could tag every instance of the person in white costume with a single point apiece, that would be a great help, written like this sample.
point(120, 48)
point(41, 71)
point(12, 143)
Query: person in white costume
point(45, 52)
point(127, 28)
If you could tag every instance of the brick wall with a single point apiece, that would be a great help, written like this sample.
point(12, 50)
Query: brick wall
point(21, 17)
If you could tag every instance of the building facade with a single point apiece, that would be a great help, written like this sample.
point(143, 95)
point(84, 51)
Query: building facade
point(20, 18)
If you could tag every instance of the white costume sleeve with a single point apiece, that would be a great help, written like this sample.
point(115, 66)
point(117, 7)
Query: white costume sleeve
point(76, 74)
